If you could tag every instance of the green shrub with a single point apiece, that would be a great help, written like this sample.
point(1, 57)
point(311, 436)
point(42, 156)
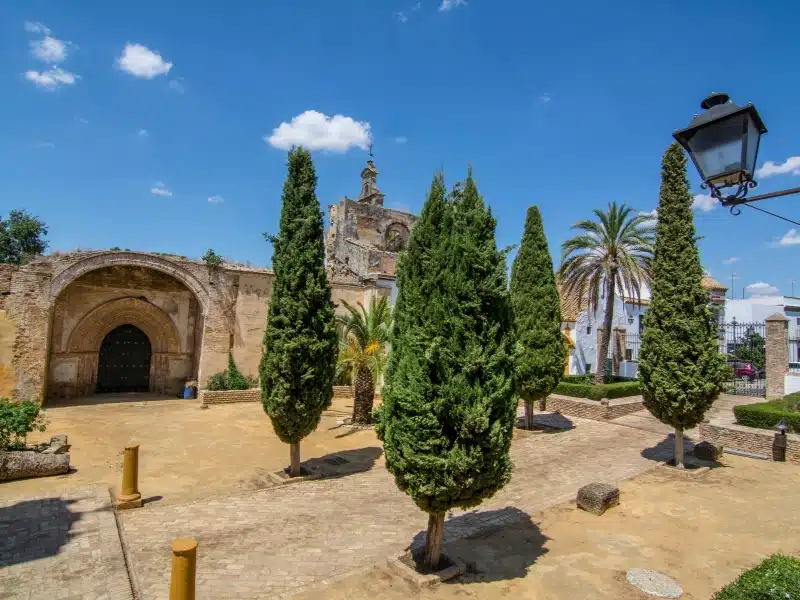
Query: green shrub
point(775, 578)
point(17, 420)
point(598, 392)
point(590, 377)
point(231, 379)
point(765, 415)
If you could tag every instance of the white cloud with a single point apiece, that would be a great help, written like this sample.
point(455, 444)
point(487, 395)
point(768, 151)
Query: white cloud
point(49, 49)
point(769, 168)
point(140, 61)
point(159, 189)
point(216, 199)
point(730, 261)
point(51, 79)
point(790, 238)
point(316, 131)
point(545, 98)
point(143, 133)
point(36, 27)
point(653, 214)
point(761, 289)
point(401, 16)
point(451, 4)
point(704, 202)
point(177, 85)
point(401, 139)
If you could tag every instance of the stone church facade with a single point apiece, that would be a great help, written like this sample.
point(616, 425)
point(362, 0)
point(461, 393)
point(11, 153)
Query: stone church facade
point(76, 324)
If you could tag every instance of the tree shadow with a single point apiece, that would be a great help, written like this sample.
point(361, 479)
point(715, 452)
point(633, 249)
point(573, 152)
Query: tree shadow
point(121, 398)
point(664, 451)
point(547, 423)
point(343, 463)
point(495, 545)
point(35, 529)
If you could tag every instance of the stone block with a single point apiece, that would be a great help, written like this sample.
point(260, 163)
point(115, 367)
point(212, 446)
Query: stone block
point(58, 445)
point(707, 451)
point(22, 463)
point(597, 498)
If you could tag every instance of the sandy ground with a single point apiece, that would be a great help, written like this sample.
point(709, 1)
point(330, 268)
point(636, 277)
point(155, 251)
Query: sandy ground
point(185, 453)
point(700, 531)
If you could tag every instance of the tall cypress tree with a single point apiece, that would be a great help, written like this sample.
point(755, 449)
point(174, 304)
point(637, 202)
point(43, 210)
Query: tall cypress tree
point(680, 367)
point(449, 406)
point(300, 343)
point(540, 349)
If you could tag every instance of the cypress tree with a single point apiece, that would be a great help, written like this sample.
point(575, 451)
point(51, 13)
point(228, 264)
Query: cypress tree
point(300, 343)
point(680, 367)
point(540, 350)
point(449, 406)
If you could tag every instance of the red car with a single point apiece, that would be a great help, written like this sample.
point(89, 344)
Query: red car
point(745, 371)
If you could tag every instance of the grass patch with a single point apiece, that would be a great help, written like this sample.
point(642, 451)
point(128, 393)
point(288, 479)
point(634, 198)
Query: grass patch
point(621, 389)
point(776, 577)
point(765, 415)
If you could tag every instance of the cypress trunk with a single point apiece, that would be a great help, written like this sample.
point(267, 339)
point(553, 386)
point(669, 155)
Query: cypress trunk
point(433, 540)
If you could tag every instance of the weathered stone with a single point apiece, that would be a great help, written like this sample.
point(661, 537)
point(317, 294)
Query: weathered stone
point(597, 498)
point(19, 464)
point(654, 583)
point(58, 445)
point(707, 451)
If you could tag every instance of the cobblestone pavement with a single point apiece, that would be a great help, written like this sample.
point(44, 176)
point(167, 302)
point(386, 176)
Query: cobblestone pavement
point(64, 545)
point(273, 542)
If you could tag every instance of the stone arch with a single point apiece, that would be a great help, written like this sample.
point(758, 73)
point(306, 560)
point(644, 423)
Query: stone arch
point(396, 237)
point(89, 333)
point(132, 259)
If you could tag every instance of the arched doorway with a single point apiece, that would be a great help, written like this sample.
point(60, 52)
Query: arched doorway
point(124, 361)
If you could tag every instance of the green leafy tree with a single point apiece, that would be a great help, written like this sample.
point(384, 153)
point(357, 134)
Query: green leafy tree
point(613, 253)
point(362, 350)
point(540, 348)
point(21, 237)
point(449, 404)
point(752, 349)
point(300, 343)
point(680, 366)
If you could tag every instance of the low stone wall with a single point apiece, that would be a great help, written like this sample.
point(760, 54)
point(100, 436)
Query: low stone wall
point(229, 396)
point(342, 391)
point(748, 439)
point(591, 409)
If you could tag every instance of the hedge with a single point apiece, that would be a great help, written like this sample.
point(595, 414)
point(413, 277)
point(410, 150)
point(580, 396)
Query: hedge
point(776, 577)
point(598, 392)
point(765, 415)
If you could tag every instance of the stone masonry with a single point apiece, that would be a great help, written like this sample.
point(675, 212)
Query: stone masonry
point(777, 350)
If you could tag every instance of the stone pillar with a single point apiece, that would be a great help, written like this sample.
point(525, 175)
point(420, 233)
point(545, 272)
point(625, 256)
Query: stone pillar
point(216, 345)
point(777, 350)
point(184, 569)
point(600, 362)
point(130, 496)
point(618, 340)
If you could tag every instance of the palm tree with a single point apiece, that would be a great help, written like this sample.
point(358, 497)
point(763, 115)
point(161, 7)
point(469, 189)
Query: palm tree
point(615, 252)
point(365, 335)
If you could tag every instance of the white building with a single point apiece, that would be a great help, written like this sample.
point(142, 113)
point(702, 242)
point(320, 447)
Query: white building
point(580, 325)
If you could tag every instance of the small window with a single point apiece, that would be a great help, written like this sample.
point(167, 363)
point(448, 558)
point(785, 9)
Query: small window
point(588, 330)
point(628, 353)
point(588, 368)
point(798, 320)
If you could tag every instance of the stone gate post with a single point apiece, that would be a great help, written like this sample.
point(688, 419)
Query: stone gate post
point(777, 350)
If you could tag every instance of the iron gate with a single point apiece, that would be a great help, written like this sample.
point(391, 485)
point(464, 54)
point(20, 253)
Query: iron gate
point(744, 347)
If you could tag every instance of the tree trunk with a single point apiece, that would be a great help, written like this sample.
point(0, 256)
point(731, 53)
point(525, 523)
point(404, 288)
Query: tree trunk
point(678, 448)
point(608, 319)
point(529, 414)
point(294, 460)
point(364, 397)
point(433, 541)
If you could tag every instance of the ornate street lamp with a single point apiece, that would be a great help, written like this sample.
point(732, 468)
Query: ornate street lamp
point(723, 144)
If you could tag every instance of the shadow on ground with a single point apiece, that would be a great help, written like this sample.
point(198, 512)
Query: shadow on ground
point(344, 462)
point(115, 399)
point(34, 529)
point(665, 451)
point(547, 423)
point(497, 551)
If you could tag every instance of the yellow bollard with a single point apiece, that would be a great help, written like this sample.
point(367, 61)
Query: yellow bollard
point(184, 569)
point(130, 496)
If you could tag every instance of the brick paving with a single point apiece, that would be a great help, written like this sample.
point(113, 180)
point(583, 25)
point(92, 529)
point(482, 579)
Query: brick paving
point(64, 545)
point(273, 542)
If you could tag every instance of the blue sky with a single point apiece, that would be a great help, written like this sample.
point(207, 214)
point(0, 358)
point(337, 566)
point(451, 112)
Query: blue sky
point(148, 126)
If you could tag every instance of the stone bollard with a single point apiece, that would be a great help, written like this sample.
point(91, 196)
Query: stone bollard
point(130, 496)
point(184, 569)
